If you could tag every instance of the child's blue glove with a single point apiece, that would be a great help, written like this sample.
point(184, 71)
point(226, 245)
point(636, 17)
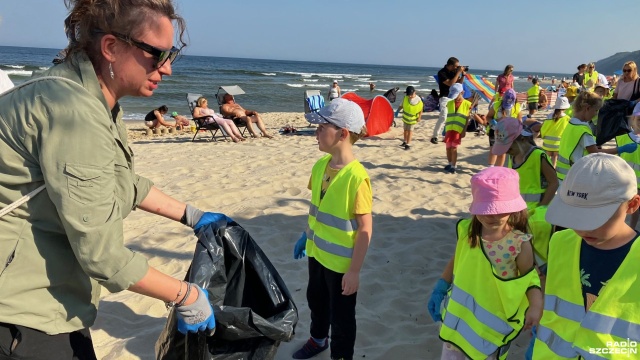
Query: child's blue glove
point(437, 296)
point(493, 123)
point(197, 316)
point(397, 113)
point(299, 251)
point(627, 148)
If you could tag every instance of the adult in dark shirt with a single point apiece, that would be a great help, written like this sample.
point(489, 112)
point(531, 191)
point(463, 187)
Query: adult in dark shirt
point(579, 76)
point(450, 74)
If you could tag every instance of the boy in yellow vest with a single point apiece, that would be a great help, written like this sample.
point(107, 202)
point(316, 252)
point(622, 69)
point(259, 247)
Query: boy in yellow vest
point(591, 302)
point(339, 230)
point(458, 111)
point(411, 113)
point(533, 95)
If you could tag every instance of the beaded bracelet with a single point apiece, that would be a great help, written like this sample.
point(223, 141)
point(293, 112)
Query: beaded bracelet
point(171, 304)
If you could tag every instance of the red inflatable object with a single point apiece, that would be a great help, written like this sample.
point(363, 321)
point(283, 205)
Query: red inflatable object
point(378, 112)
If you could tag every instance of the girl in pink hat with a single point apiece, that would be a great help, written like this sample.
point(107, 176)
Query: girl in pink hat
point(491, 284)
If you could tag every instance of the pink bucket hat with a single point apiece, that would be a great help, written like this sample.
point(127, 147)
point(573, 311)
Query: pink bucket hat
point(507, 131)
point(496, 190)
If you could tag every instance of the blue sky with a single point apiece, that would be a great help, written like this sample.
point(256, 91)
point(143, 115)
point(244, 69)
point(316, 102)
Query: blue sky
point(542, 35)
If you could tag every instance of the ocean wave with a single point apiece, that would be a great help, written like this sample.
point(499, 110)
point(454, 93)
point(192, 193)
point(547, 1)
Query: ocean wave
point(44, 68)
point(19, 72)
point(328, 75)
point(15, 66)
point(310, 80)
point(308, 85)
point(367, 80)
point(492, 76)
point(400, 81)
point(269, 74)
point(351, 90)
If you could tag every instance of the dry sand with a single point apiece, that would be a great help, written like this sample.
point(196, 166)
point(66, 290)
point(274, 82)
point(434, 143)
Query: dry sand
point(261, 184)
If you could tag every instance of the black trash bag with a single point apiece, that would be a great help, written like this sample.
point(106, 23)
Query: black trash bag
point(253, 308)
point(612, 120)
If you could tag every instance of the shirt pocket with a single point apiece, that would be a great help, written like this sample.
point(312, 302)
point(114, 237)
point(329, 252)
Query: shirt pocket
point(86, 183)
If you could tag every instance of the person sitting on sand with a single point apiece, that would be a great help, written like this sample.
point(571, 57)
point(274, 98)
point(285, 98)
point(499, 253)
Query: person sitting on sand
point(229, 127)
point(231, 109)
point(155, 119)
point(181, 121)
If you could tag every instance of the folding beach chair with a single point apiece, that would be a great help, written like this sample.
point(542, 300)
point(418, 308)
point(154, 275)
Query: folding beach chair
point(231, 90)
point(201, 122)
point(313, 101)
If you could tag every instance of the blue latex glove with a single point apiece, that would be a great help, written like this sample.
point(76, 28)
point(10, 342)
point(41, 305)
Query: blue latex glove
point(197, 316)
point(300, 250)
point(493, 123)
point(437, 296)
point(627, 148)
point(397, 113)
point(209, 218)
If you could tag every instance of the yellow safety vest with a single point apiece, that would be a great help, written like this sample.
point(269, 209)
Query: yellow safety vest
point(633, 159)
point(484, 312)
point(588, 77)
point(497, 112)
point(531, 190)
point(551, 132)
point(457, 119)
point(533, 94)
point(566, 329)
point(332, 221)
point(410, 112)
point(570, 140)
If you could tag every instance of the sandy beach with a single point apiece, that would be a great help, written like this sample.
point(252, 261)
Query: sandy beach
point(262, 184)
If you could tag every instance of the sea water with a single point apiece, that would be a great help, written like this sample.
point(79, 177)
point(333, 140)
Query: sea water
point(270, 85)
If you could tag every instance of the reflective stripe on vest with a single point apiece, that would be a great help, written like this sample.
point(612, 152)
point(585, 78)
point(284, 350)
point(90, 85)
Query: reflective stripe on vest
point(457, 120)
point(531, 197)
point(330, 247)
point(484, 312)
point(570, 140)
point(554, 342)
point(533, 94)
point(410, 112)
point(332, 224)
point(333, 221)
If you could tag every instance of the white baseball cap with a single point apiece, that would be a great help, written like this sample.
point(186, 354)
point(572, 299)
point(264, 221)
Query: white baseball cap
point(592, 191)
point(455, 90)
point(636, 110)
point(341, 113)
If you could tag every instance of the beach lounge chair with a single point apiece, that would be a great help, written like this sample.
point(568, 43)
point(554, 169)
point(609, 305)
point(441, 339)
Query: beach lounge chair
point(201, 123)
point(231, 90)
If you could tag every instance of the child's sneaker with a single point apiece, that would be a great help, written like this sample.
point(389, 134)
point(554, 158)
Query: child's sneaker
point(310, 349)
point(403, 144)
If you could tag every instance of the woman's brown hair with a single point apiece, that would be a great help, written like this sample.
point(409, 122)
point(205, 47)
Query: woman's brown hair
point(89, 20)
point(517, 221)
point(506, 70)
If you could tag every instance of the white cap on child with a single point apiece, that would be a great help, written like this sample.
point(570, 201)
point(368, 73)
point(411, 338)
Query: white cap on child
point(592, 191)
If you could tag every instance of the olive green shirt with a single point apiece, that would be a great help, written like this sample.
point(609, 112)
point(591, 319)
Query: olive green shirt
point(60, 246)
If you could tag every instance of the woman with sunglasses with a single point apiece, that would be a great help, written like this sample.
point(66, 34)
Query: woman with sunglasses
point(627, 83)
point(64, 144)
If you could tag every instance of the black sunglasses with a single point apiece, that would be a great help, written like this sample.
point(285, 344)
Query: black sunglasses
point(161, 56)
point(626, 70)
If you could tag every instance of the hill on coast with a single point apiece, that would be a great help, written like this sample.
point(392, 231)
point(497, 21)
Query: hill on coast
point(614, 62)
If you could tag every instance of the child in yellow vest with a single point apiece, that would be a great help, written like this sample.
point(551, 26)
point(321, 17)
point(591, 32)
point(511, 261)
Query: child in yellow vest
point(339, 230)
point(411, 113)
point(553, 127)
point(592, 287)
point(533, 95)
point(456, 125)
point(492, 286)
